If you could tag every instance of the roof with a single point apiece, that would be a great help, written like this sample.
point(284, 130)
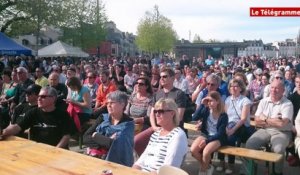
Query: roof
point(10, 47)
point(60, 48)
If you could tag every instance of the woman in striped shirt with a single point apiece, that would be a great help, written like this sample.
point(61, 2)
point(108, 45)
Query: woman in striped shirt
point(168, 145)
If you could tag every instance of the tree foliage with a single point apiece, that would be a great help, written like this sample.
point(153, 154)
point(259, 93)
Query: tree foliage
point(155, 33)
point(32, 14)
point(197, 39)
point(86, 25)
point(82, 20)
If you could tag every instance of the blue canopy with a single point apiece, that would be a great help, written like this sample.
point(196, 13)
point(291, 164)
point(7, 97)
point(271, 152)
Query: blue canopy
point(10, 47)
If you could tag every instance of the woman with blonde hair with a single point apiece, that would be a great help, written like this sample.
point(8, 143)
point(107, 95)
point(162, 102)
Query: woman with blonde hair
point(168, 145)
point(212, 123)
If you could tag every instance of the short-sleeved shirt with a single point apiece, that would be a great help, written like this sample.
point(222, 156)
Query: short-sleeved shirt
point(136, 107)
point(284, 108)
point(212, 125)
point(164, 150)
point(43, 81)
point(234, 108)
point(182, 84)
point(79, 98)
point(101, 93)
point(46, 127)
point(176, 94)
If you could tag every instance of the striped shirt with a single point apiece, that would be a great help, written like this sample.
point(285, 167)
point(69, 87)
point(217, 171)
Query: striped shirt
point(164, 150)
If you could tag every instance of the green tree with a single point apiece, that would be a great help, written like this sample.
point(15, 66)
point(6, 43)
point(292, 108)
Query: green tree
point(155, 33)
point(82, 20)
point(28, 16)
point(86, 25)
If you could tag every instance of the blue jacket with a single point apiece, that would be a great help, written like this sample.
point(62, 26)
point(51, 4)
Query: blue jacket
point(221, 126)
point(121, 148)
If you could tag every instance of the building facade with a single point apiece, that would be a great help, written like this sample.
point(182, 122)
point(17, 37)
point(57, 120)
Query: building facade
point(216, 50)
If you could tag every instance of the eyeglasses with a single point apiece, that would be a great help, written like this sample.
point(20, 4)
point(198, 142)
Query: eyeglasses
point(210, 84)
point(234, 86)
point(281, 78)
point(140, 84)
point(161, 111)
point(45, 96)
point(20, 72)
point(259, 74)
point(164, 76)
point(90, 77)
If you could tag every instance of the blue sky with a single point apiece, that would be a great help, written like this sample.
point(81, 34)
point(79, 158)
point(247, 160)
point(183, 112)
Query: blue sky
point(211, 19)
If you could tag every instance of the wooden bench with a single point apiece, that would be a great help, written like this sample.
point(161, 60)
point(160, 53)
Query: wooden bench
point(250, 154)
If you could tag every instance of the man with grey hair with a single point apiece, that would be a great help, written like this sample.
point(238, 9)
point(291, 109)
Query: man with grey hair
point(213, 83)
point(277, 76)
point(47, 123)
point(22, 75)
point(274, 116)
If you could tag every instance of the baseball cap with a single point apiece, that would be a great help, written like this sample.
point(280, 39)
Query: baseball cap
point(33, 89)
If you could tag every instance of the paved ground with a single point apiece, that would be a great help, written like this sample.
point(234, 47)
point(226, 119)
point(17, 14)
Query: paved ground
point(192, 167)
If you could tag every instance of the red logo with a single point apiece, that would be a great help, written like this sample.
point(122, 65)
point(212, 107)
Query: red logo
point(275, 11)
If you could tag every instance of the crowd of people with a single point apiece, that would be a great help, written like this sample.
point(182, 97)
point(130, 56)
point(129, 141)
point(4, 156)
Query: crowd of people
point(55, 97)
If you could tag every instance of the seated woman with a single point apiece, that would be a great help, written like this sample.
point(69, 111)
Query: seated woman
point(168, 145)
point(138, 105)
point(80, 102)
point(111, 136)
point(237, 107)
point(212, 124)
point(10, 82)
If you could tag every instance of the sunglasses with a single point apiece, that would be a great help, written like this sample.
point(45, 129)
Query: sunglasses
point(259, 74)
point(140, 84)
point(90, 77)
point(281, 78)
point(45, 96)
point(161, 111)
point(164, 76)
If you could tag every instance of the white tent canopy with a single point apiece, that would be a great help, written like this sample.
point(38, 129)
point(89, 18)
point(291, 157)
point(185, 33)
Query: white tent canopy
point(60, 48)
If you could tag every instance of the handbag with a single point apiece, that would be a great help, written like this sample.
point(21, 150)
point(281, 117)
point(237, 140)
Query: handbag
point(242, 131)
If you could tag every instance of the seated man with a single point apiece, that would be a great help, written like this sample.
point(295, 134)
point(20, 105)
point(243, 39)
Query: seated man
point(61, 89)
point(105, 88)
point(47, 124)
point(32, 93)
point(274, 115)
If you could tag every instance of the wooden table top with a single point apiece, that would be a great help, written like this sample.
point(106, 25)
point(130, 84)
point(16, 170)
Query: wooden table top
point(21, 156)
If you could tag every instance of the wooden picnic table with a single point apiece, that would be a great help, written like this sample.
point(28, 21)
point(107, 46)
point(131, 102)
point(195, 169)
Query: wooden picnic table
point(21, 156)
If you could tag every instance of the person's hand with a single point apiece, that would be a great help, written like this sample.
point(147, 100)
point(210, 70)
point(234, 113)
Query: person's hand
point(93, 135)
point(199, 125)
point(203, 84)
point(114, 136)
point(139, 120)
point(202, 144)
point(229, 132)
point(155, 128)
